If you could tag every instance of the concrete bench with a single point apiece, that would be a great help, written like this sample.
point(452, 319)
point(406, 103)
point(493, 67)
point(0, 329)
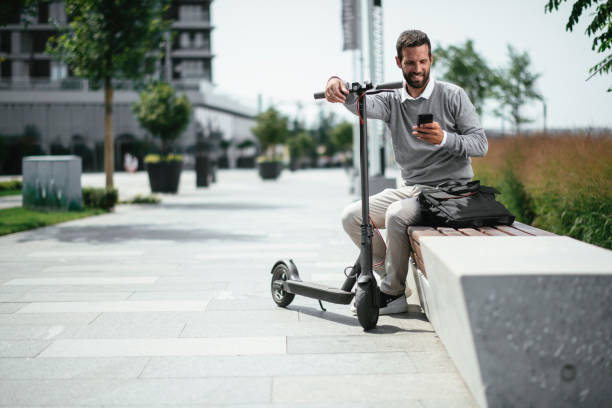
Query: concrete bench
point(526, 315)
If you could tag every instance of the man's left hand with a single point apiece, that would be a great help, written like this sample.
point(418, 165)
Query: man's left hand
point(429, 132)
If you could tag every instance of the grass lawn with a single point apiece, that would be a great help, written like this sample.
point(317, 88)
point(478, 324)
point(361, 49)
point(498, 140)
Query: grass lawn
point(19, 219)
point(9, 192)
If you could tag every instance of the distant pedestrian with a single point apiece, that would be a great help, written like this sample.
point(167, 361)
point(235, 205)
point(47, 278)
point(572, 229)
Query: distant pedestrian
point(130, 163)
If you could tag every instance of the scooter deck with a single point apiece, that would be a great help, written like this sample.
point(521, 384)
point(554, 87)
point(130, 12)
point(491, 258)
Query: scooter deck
point(317, 291)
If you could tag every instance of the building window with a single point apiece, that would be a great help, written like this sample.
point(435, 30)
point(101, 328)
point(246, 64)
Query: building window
point(5, 42)
point(190, 13)
point(185, 40)
point(6, 69)
point(40, 40)
point(43, 13)
point(39, 69)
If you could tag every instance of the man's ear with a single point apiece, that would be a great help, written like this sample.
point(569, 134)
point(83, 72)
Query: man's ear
point(398, 62)
point(431, 59)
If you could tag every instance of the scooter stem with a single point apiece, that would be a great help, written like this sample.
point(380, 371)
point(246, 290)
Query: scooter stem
point(366, 228)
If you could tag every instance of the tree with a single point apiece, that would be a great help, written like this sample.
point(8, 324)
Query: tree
point(465, 67)
point(342, 136)
point(270, 129)
point(111, 39)
point(515, 88)
point(163, 113)
point(600, 27)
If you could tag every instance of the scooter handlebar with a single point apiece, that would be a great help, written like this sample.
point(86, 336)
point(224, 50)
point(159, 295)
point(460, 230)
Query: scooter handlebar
point(388, 85)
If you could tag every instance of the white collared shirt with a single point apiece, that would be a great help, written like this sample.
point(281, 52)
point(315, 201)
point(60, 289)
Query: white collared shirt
point(426, 94)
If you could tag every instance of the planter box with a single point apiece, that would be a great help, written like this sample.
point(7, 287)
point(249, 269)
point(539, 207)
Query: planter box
point(164, 176)
point(270, 170)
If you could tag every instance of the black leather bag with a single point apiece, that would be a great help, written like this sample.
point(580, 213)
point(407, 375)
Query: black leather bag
point(463, 205)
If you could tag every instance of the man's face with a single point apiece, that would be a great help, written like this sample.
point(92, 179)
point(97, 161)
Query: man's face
point(415, 65)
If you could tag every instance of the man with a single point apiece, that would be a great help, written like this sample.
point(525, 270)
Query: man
point(427, 156)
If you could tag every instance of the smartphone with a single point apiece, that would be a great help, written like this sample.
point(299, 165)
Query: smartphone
point(424, 118)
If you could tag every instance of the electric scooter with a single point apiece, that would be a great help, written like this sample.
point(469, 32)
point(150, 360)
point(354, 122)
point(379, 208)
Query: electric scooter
point(286, 282)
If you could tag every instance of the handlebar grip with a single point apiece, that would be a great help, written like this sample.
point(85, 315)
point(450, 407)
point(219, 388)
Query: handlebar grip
point(390, 85)
point(319, 95)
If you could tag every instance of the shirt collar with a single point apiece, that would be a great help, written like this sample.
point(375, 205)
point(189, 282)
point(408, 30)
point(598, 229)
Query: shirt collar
point(426, 92)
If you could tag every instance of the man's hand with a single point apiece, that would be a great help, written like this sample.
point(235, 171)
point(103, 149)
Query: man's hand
point(429, 132)
point(335, 90)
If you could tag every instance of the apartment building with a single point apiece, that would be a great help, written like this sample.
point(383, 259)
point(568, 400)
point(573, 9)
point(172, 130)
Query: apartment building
point(45, 109)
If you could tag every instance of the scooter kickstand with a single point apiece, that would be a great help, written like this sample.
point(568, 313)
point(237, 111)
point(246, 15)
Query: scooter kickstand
point(322, 308)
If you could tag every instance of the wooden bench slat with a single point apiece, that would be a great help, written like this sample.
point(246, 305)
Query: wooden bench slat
point(512, 231)
point(418, 232)
point(492, 232)
point(450, 232)
point(531, 230)
point(470, 232)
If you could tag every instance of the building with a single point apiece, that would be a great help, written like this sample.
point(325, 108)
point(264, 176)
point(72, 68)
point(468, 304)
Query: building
point(45, 109)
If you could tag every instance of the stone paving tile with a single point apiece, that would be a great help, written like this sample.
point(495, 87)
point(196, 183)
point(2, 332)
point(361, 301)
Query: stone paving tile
point(432, 362)
point(71, 368)
point(73, 296)
point(30, 332)
point(153, 392)
point(132, 325)
point(128, 306)
point(22, 348)
point(37, 319)
point(361, 388)
point(278, 366)
point(366, 342)
point(165, 347)
point(7, 307)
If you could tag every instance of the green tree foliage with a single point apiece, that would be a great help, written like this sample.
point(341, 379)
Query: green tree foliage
point(463, 66)
point(342, 136)
point(300, 145)
point(323, 134)
point(271, 130)
point(515, 88)
point(600, 27)
point(111, 39)
point(163, 113)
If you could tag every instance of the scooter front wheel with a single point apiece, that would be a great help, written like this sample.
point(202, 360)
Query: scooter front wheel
point(366, 305)
point(280, 274)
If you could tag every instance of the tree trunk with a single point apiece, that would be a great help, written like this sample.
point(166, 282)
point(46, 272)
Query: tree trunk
point(109, 162)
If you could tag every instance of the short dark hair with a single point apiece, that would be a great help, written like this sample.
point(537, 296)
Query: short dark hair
point(411, 38)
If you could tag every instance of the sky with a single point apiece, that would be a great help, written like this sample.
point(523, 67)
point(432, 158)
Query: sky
point(285, 50)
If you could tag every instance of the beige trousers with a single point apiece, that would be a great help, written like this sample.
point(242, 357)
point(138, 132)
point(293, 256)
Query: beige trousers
point(394, 210)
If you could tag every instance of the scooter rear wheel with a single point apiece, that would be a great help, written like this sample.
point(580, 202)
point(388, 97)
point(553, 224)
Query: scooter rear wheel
point(280, 296)
point(367, 309)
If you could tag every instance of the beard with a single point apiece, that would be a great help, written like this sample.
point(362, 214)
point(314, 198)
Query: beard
point(413, 83)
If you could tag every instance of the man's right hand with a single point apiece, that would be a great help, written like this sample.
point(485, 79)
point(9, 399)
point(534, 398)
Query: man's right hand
point(335, 90)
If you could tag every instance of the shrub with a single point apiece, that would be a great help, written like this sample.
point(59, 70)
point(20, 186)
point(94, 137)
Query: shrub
point(10, 185)
point(562, 184)
point(99, 198)
point(140, 199)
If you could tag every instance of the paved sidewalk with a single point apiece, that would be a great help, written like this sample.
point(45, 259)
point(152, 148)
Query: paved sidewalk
point(170, 306)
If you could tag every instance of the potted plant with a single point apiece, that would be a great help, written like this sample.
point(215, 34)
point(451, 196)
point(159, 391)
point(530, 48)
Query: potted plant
point(165, 115)
point(271, 130)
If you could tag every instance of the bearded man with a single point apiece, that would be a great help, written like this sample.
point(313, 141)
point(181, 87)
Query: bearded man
point(427, 155)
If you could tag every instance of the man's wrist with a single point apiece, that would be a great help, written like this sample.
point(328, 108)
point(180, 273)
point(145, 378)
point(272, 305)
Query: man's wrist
point(443, 142)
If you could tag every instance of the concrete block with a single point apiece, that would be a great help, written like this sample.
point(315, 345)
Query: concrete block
point(526, 320)
point(52, 182)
